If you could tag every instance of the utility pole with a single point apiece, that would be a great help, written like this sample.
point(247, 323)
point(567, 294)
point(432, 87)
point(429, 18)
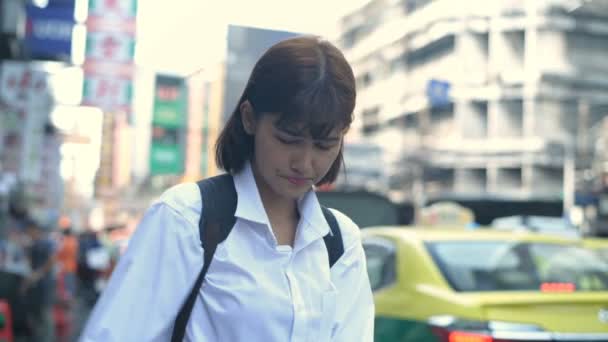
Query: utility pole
point(576, 155)
point(569, 178)
point(583, 131)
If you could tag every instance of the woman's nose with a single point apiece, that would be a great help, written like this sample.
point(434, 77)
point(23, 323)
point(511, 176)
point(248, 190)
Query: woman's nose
point(302, 160)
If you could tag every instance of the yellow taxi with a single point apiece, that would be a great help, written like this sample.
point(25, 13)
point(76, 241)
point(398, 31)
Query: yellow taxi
point(484, 285)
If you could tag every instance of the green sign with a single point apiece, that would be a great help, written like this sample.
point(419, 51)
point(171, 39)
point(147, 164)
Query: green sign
point(170, 102)
point(169, 123)
point(169, 114)
point(166, 159)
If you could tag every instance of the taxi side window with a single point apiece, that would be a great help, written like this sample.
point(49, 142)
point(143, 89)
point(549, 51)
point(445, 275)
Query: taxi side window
point(381, 268)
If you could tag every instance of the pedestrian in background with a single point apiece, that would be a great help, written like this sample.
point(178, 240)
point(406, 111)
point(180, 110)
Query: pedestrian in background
point(87, 277)
point(39, 286)
point(14, 268)
point(67, 258)
point(270, 279)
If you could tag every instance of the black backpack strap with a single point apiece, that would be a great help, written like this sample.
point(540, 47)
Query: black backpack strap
point(333, 240)
point(219, 198)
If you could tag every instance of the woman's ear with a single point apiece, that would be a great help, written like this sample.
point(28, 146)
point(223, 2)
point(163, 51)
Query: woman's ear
point(248, 117)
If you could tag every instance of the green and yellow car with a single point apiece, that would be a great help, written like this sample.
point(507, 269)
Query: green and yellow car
point(484, 286)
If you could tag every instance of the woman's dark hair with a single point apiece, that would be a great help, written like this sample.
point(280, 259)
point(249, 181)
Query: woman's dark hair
point(308, 83)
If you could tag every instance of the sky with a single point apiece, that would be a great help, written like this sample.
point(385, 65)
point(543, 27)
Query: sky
point(183, 36)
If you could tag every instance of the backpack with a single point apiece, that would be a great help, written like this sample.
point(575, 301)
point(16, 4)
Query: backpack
point(219, 198)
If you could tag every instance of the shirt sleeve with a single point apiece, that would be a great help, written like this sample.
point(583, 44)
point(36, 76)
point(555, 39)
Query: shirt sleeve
point(358, 321)
point(150, 282)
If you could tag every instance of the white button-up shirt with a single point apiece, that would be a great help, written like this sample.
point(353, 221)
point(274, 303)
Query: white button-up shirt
point(255, 289)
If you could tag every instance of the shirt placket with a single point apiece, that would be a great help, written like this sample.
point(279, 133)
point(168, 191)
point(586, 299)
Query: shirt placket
point(302, 319)
point(300, 312)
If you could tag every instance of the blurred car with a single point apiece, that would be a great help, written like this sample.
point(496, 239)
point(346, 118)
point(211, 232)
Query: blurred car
point(484, 285)
point(598, 245)
point(539, 224)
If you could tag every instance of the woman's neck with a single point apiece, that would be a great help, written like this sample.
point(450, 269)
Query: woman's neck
point(276, 206)
point(282, 212)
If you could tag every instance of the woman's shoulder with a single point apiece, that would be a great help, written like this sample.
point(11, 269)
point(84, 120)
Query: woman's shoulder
point(184, 199)
point(351, 233)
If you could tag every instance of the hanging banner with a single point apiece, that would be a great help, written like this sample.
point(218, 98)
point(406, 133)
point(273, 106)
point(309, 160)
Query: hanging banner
point(25, 91)
point(23, 87)
point(48, 33)
point(110, 48)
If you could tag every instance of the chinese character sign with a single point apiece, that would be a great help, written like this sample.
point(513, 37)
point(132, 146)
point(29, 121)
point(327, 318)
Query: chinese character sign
point(110, 49)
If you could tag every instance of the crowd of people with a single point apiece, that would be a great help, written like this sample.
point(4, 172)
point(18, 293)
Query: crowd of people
point(51, 277)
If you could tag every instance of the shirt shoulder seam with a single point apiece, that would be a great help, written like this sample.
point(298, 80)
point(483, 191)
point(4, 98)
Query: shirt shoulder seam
point(177, 213)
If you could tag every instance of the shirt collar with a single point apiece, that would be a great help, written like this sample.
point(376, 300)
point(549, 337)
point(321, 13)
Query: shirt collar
point(250, 207)
point(249, 203)
point(310, 211)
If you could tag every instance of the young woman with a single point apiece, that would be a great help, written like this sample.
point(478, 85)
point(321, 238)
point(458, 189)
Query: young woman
point(270, 279)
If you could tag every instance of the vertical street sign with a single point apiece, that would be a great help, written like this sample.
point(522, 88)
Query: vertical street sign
point(167, 150)
point(110, 49)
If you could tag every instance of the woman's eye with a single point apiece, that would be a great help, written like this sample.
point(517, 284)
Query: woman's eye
point(286, 141)
point(324, 147)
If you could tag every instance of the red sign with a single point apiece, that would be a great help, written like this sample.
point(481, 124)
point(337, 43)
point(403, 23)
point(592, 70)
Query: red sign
point(167, 93)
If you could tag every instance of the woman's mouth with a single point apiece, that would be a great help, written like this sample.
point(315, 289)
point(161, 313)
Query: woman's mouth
point(298, 181)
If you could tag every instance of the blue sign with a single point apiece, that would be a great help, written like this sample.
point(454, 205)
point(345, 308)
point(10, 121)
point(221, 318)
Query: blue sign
point(49, 31)
point(61, 3)
point(438, 93)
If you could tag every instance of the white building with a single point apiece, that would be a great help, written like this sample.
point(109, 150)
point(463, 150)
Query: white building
point(487, 96)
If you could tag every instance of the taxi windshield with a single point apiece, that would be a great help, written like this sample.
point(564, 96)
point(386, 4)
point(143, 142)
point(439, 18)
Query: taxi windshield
point(507, 266)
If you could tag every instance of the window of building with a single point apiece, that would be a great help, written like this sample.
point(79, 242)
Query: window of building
point(411, 6)
point(430, 52)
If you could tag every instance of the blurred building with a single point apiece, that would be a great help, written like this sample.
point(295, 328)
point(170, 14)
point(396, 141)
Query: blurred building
point(597, 212)
point(480, 99)
point(364, 168)
point(213, 122)
point(194, 142)
point(12, 17)
point(245, 46)
point(114, 172)
point(205, 90)
point(30, 142)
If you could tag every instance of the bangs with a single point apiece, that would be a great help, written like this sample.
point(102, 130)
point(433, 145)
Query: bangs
point(318, 110)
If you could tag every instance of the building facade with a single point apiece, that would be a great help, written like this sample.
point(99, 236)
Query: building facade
point(482, 99)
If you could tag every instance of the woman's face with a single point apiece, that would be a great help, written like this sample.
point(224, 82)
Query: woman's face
point(287, 162)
